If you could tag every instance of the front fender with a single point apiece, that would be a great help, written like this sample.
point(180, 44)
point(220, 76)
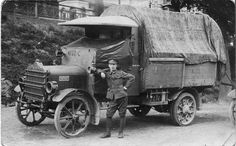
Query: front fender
point(95, 114)
point(62, 93)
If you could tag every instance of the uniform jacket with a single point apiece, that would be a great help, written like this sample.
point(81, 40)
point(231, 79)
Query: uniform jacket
point(116, 82)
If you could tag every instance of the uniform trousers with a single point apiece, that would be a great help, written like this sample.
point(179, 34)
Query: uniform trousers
point(117, 104)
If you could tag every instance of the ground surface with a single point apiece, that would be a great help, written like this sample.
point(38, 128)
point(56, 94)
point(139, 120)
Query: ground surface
point(211, 127)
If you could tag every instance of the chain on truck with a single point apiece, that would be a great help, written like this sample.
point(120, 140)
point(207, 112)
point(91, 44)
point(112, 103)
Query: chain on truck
point(174, 57)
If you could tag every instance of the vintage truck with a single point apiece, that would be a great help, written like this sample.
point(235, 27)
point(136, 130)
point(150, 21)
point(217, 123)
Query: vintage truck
point(174, 57)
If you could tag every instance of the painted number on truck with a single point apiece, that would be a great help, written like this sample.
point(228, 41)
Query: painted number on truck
point(64, 78)
point(73, 53)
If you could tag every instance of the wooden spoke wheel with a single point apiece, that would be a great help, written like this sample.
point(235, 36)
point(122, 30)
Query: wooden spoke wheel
point(139, 111)
point(183, 109)
point(72, 116)
point(232, 112)
point(28, 114)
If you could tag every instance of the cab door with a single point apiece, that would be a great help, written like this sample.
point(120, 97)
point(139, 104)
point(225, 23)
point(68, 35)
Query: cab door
point(135, 68)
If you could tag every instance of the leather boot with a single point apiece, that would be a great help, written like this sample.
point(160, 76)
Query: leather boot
point(122, 126)
point(108, 128)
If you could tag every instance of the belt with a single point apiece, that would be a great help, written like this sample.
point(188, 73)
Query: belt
point(117, 87)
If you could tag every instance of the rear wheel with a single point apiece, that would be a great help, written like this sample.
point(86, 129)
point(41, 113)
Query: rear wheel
point(72, 116)
point(232, 112)
point(140, 111)
point(183, 109)
point(28, 114)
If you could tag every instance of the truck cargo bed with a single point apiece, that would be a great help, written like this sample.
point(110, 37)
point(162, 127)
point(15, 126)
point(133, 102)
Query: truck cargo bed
point(173, 72)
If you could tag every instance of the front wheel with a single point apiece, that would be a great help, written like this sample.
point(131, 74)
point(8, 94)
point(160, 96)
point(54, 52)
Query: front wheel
point(232, 112)
point(28, 114)
point(72, 116)
point(183, 109)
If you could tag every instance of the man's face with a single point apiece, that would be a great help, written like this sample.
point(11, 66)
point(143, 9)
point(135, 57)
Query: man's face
point(112, 66)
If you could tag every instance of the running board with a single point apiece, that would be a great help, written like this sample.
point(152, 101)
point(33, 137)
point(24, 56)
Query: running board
point(129, 106)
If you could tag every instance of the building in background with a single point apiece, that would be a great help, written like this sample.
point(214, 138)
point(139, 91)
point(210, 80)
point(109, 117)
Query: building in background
point(72, 9)
point(139, 3)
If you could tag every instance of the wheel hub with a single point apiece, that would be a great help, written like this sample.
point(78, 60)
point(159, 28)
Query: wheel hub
point(74, 116)
point(186, 109)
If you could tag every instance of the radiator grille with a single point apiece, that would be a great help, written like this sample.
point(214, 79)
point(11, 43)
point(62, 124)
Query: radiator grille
point(34, 85)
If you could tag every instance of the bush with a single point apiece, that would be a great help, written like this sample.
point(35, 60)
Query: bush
point(27, 39)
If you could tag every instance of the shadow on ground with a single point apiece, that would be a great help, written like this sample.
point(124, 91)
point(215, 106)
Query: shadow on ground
point(156, 120)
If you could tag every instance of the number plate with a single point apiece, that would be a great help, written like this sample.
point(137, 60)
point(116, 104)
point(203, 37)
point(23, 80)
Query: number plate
point(64, 78)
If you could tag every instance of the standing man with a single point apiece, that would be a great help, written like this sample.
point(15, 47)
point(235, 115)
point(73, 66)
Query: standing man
point(118, 81)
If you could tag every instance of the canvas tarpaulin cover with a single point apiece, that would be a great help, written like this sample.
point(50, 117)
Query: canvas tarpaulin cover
point(194, 37)
point(120, 51)
point(106, 49)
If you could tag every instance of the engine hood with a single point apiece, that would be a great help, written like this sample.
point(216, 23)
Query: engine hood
point(58, 69)
point(65, 70)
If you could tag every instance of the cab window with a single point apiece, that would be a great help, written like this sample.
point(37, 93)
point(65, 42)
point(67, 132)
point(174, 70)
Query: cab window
point(111, 33)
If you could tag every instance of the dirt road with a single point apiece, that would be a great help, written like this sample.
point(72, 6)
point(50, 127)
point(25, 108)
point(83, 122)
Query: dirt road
point(210, 128)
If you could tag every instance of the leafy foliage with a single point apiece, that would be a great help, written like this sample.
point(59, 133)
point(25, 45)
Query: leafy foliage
point(24, 41)
point(222, 11)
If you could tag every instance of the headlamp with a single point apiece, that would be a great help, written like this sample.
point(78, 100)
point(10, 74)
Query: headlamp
point(51, 87)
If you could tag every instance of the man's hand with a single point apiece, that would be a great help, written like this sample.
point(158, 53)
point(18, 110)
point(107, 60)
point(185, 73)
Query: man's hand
point(125, 88)
point(91, 69)
point(103, 75)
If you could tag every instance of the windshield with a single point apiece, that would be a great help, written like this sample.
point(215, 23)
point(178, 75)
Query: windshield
point(107, 32)
point(100, 37)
